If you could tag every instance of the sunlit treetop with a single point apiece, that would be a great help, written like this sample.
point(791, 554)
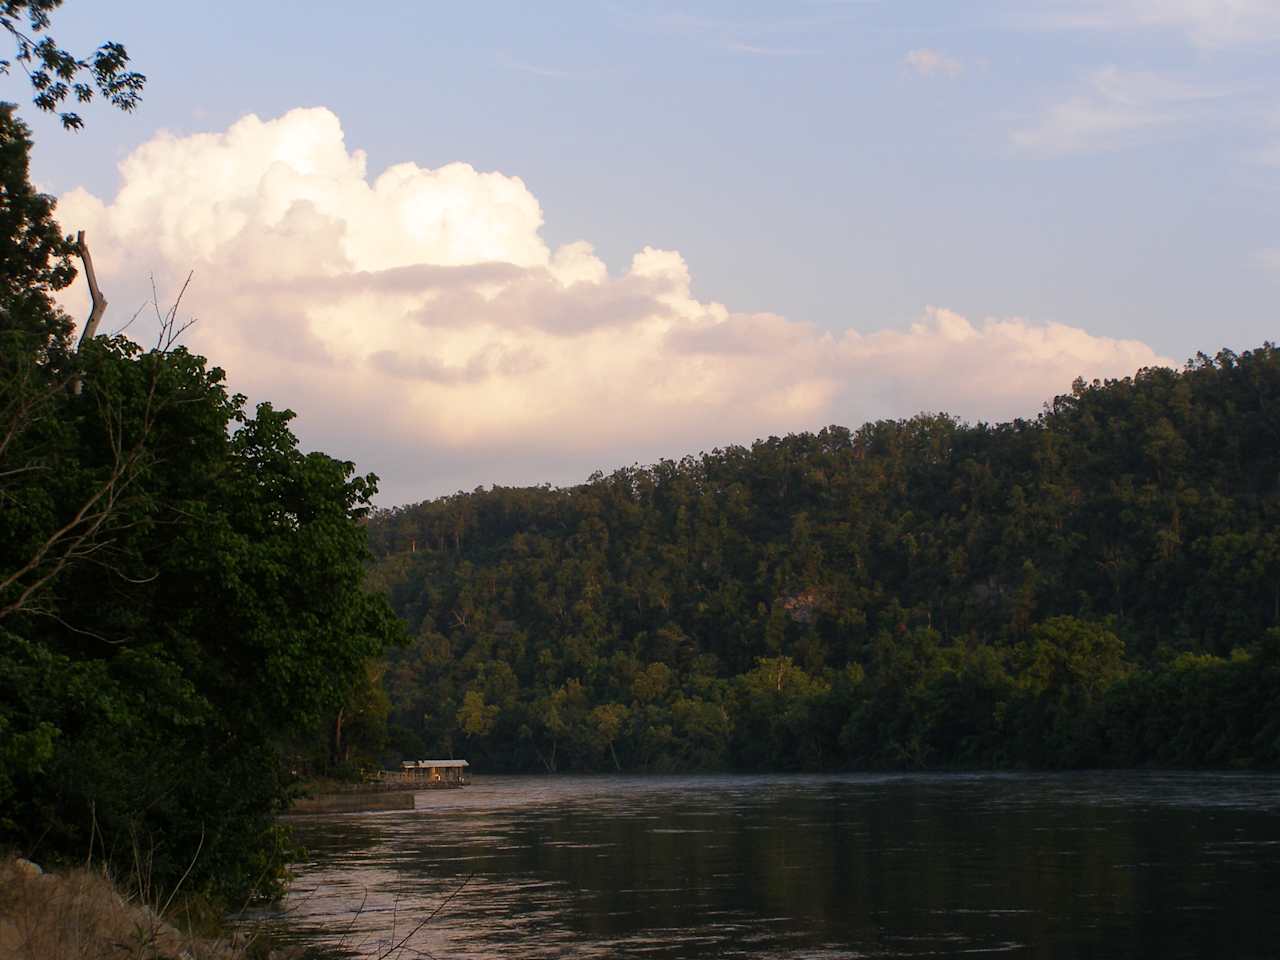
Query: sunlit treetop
point(56, 74)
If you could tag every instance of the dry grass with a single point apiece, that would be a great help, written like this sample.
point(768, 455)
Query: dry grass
point(79, 915)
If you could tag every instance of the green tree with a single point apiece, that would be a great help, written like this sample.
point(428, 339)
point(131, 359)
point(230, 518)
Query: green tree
point(225, 619)
point(1064, 671)
point(607, 721)
point(776, 706)
point(475, 717)
point(180, 588)
point(651, 683)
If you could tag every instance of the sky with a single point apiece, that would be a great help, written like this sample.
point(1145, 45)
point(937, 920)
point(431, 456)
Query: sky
point(513, 243)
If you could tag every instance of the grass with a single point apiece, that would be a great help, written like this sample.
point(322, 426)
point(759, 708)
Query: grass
point(79, 914)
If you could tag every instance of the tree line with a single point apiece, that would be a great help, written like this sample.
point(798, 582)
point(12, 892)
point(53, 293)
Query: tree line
point(1097, 585)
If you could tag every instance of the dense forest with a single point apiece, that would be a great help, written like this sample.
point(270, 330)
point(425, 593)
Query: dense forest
point(1099, 585)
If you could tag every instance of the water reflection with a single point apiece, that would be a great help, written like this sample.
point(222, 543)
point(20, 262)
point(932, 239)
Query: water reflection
point(1103, 865)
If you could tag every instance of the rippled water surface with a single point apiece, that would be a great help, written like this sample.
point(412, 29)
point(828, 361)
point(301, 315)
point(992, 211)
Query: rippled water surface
point(1088, 865)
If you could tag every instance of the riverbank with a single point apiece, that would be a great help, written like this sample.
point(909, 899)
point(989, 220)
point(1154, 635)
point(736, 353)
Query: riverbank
point(79, 914)
point(344, 796)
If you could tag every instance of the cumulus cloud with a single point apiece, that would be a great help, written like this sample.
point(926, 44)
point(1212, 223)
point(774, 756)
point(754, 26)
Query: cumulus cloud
point(423, 327)
point(1117, 108)
point(931, 63)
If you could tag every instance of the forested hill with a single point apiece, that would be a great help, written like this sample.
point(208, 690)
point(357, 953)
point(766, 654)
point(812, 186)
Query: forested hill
point(1097, 585)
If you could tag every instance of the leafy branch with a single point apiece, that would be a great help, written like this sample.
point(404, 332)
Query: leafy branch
point(56, 74)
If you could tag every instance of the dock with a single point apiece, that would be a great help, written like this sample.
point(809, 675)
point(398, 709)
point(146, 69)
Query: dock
point(386, 789)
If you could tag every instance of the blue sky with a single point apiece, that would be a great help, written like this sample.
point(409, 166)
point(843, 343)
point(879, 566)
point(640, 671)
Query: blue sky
point(1109, 169)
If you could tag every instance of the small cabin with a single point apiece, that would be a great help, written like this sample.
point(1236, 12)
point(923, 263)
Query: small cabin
point(435, 773)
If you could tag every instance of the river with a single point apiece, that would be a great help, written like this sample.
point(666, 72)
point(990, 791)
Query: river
point(1096, 864)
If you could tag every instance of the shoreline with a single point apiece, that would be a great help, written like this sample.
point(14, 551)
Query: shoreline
point(336, 796)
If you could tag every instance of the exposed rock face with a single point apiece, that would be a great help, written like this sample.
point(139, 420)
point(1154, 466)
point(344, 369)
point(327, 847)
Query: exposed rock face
point(803, 607)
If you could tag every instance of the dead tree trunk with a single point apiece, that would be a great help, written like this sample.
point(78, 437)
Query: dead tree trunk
point(98, 303)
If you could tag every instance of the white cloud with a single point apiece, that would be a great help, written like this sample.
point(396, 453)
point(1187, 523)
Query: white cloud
point(992, 370)
point(930, 63)
point(1206, 23)
point(423, 327)
point(1117, 108)
point(511, 63)
point(759, 50)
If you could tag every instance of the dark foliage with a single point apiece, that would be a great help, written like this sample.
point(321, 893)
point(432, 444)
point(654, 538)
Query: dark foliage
point(180, 591)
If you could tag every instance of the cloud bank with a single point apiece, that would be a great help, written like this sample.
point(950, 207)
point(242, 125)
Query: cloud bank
point(423, 327)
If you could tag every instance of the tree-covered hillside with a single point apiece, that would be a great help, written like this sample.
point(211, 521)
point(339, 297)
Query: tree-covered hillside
point(1098, 585)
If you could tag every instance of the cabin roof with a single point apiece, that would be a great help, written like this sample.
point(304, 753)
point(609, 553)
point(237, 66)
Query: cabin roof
point(410, 764)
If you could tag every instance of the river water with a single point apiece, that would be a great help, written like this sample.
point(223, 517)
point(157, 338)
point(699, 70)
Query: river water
point(1106, 864)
